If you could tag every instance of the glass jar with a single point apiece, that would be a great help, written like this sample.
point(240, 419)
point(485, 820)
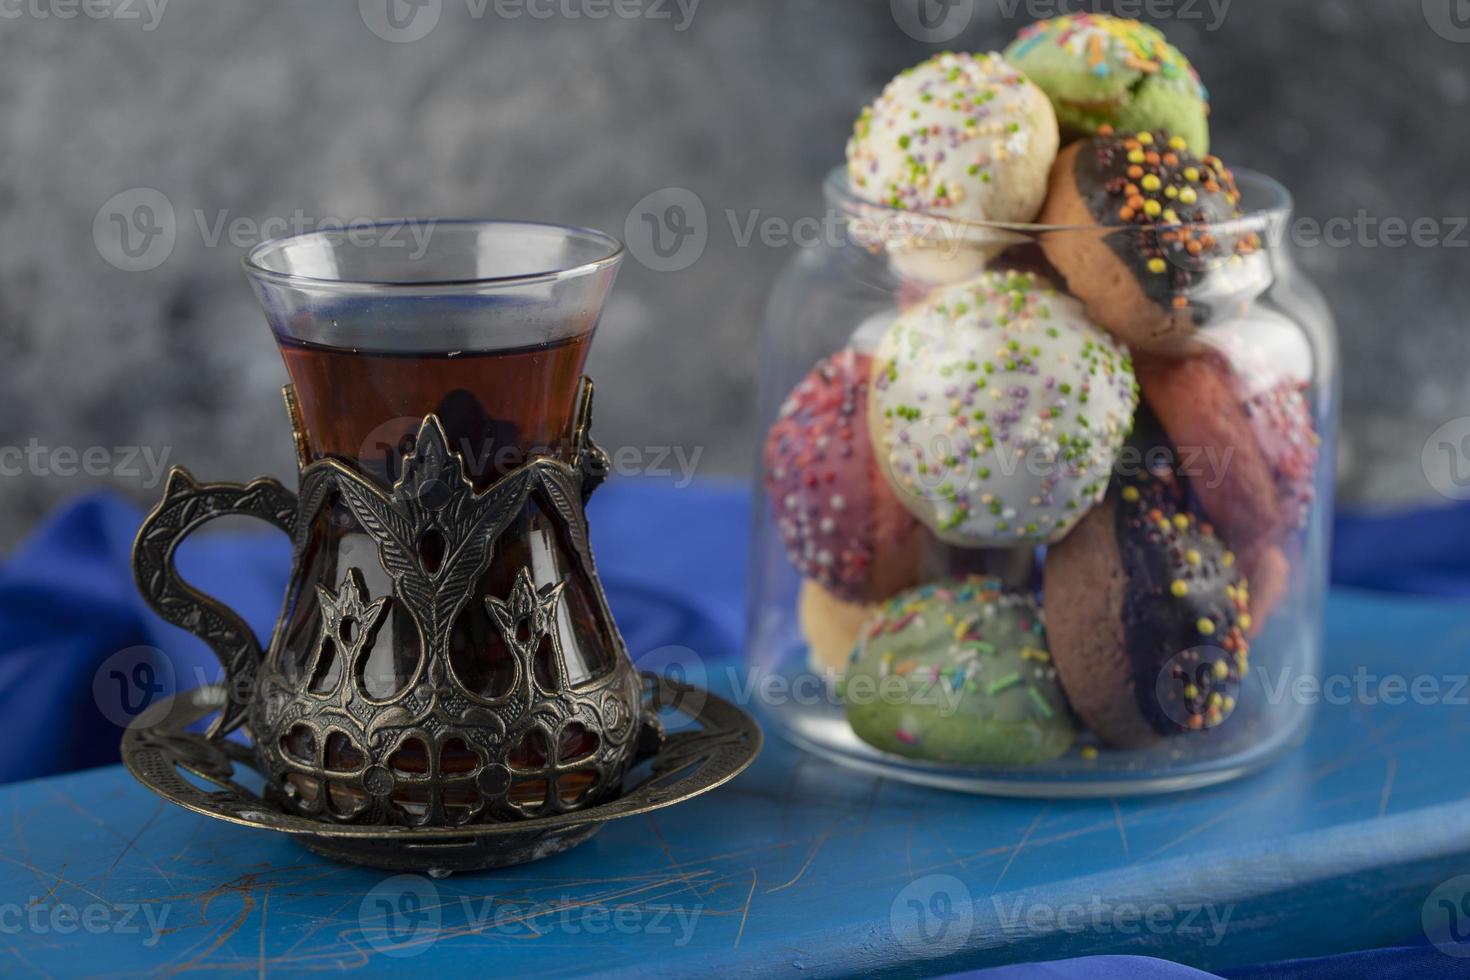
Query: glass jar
point(1063, 565)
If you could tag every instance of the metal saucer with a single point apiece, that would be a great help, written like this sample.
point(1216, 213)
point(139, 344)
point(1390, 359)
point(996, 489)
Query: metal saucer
point(712, 742)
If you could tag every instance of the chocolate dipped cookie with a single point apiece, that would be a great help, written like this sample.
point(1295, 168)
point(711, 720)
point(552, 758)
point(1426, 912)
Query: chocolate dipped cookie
point(1168, 250)
point(1147, 616)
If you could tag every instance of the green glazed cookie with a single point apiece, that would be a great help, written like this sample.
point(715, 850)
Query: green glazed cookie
point(1109, 71)
point(959, 672)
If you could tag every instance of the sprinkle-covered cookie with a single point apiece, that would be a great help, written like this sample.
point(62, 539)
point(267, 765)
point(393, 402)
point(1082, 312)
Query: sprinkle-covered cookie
point(998, 410)
point(1147, 617)
point(1150, 282)
point(959, 672)
point(1100, 71)
point(958, 140)
point(1239, 409)
point(965, 136)
point(842, 524)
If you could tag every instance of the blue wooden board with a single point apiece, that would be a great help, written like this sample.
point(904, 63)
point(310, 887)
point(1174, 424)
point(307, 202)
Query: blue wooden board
point(802, 869)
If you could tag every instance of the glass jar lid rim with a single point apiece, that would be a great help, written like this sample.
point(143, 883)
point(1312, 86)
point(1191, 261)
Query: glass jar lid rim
point(1271, 203)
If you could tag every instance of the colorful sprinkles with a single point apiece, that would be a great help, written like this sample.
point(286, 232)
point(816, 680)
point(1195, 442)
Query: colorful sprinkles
point(998, 410)
point(1281, 419)
point(969, 639)
point(1186, 610)
point(1112, 46)
point(947, 135)
point(831, 505)
point(1177, 201)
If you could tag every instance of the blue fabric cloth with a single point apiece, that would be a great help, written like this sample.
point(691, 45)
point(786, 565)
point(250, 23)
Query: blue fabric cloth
point(1421, 551)
point(1091, 968)
point(1410, 963)
point(72, 622)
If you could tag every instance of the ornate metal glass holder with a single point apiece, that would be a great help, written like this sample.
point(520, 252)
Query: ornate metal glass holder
point(437, 776)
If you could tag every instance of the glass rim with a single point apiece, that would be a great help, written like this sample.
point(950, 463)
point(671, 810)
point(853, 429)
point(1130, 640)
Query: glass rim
point(612, 253)
point(1277, 207)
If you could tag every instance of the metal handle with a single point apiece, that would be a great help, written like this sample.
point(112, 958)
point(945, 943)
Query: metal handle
point(187, 505)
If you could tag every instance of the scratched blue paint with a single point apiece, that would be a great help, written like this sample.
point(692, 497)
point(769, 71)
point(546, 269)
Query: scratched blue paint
point(801, 869)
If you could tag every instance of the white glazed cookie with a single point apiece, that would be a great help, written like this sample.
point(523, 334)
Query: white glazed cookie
point(997, 411)
point(961, 136)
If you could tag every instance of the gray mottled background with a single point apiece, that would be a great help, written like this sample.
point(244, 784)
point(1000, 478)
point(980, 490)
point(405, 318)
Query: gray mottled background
point(256, 110)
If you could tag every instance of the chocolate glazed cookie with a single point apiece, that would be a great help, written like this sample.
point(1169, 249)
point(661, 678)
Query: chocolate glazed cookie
point(1157, 208)
point(1146, 618)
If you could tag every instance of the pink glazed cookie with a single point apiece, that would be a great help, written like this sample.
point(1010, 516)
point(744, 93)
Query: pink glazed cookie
point(1241, 412)
point(842, 524)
